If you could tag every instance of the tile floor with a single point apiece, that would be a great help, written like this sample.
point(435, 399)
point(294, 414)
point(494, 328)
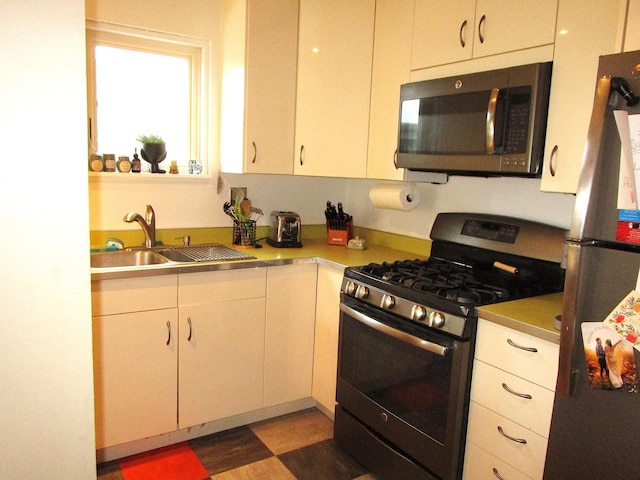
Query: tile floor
point(295, 446)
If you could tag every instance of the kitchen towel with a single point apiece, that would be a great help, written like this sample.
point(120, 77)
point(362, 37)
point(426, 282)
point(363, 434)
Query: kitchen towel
point(395, 196)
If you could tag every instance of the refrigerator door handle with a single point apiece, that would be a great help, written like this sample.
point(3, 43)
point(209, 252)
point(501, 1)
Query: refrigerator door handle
point(569, 321)
point(590, 156)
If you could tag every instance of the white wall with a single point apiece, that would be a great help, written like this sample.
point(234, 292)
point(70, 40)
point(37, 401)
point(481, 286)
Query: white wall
point(518, 197)
point(191, 204)
point(46, 405)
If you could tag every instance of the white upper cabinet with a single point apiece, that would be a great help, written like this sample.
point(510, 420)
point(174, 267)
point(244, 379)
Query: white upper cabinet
point(260, 44)
point(586, 30)
point(391, 68)
point(465, 29)
point(335, 50)
point(632, 34)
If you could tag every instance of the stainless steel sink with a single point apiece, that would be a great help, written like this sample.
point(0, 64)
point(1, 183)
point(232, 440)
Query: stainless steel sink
point(126, 258)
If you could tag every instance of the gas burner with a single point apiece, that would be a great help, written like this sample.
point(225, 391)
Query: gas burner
point(447, 280)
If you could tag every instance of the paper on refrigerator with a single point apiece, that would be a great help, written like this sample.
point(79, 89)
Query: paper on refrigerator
point(629, 131)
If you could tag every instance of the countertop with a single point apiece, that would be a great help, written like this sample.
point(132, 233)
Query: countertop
point(534, 316)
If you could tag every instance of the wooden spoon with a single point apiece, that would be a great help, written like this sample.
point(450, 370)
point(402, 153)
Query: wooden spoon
point(245, 208)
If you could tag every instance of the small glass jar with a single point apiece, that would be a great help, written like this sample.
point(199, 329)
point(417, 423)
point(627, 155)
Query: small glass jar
point(124, 165)
point(109, 162)
point(96, 164)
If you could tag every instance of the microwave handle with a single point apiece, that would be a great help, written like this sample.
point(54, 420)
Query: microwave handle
point(491, 120)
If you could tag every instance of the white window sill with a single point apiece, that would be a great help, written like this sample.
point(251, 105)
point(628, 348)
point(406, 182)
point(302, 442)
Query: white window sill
point(119, 177)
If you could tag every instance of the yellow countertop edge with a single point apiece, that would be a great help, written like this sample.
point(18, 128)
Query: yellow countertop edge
point(535, 316)
point(173, 236)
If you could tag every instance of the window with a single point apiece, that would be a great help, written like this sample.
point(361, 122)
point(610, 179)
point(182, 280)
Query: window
point(145, 83)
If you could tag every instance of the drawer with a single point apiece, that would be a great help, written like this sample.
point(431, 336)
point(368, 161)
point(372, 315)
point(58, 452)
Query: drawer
point(526, 457)
point(122, 295)
point(533, 413)
point(500, 346)
point(482, 465)
point(222, 285)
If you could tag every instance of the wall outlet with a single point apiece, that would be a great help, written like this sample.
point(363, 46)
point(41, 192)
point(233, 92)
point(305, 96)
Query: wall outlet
point(237, 192)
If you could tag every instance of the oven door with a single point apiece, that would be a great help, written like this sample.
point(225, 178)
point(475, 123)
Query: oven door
point(407, 385)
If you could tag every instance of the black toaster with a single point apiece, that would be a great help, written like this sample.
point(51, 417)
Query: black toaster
point(285, 230)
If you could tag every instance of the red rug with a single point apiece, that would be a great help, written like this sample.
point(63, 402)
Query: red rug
point(175, 462)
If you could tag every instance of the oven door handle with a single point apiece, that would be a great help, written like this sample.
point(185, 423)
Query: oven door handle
point(394, 332)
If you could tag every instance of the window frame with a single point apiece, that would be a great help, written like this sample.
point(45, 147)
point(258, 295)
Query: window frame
point(195, 49)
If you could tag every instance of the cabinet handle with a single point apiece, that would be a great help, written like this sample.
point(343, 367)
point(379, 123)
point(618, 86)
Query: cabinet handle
point(255, 152)
point(301, 156)
point(513, 439)
point(497, 474)
point(462, 33)
point(553, 161)
point(527, 349)
point(169, 329)
point(517, 394)
point(395, 159)
point(481, 28)
point(191, 330)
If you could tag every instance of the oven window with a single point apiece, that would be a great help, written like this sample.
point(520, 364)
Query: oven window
point(408, 381)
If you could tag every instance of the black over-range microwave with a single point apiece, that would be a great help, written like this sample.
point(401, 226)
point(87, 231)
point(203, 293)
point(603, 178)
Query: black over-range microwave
point(488, 123)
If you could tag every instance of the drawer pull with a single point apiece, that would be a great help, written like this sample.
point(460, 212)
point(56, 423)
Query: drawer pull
point(527, 349)
point(497, 474)
point(517, 394)
point(191, 331)
point(169, 329)
point(513, 439)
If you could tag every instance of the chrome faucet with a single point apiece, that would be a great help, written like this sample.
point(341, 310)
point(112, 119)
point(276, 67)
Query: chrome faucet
point(148, 225)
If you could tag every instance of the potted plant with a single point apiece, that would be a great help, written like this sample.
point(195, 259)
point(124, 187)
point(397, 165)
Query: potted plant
point(153, 151)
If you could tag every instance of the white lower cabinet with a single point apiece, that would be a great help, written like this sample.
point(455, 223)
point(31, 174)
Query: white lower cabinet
point(325, 365)
point(290, 320)
point(135, 352)
point(512, 393)
point(221, 363)
point(174, 351)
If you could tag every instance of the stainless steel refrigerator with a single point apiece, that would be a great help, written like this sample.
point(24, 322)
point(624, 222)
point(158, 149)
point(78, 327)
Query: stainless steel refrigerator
point(595, 432)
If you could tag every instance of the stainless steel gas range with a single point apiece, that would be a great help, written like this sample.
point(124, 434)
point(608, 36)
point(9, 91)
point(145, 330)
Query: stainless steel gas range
point(407, 336)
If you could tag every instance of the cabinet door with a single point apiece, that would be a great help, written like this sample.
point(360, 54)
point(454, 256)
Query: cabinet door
point(524, 402)
point(586, 30)
point(221, 360)
point(478, 463)
point(442, 33)
point(632, 32)
point(518, 353)
point(511, 25)
point(325, 364)
point(334, 87)
point(135, 368)
point(484, 428)
point(391, 68)
point(270, 84)
point(291, 305)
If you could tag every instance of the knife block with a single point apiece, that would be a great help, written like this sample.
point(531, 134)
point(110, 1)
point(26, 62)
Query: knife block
point(340, 236)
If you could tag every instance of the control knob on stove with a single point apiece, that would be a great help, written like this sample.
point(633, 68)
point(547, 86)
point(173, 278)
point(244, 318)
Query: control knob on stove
point(436, 320)
point(349, 287)
point(418, 313)
point(388, 302)
point(362, 292)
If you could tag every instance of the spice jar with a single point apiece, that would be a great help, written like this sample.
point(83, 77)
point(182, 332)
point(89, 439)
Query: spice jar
point(109, 162)
point(124, 165)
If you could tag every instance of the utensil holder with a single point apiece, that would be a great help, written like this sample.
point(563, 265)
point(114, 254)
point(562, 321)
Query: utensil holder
point(244, 233)
point(340, 234)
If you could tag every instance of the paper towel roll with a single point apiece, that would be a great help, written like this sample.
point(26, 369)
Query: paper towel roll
point(394, 196)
